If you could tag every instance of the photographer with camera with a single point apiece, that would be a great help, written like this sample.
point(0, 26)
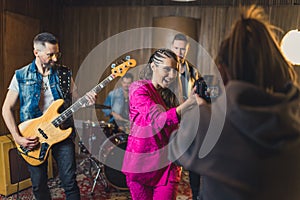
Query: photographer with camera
point(255, 154)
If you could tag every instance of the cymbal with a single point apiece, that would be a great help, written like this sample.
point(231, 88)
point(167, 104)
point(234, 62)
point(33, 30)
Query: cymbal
point(99, 106)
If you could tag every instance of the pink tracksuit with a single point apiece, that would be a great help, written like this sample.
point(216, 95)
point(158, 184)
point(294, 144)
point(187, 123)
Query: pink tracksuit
point(149, 173)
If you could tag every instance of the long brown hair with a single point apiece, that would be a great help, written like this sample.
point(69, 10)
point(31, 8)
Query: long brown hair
point(251, 53)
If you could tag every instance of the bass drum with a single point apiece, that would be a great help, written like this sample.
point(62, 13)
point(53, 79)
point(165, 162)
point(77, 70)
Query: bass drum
point(111, 154)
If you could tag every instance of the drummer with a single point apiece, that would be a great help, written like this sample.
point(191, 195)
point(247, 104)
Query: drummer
point(117, 99)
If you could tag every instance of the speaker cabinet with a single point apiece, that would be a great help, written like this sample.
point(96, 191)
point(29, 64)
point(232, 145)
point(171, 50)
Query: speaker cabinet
point(13, 168)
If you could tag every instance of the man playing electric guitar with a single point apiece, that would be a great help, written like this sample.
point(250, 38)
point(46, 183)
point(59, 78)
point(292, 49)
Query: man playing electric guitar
point(37, 85)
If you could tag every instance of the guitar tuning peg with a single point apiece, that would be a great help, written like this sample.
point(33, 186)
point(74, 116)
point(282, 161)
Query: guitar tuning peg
point(113, 65)
point(127, 58)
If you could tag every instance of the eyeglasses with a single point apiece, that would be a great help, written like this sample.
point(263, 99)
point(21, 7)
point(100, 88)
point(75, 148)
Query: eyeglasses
point(167, 69)
point(51, 55)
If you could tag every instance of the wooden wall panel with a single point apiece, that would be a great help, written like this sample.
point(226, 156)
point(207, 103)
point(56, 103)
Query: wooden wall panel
point(2, 88)
point(104, 22)
point(174, 3)
point(81, 28)
point(48, 12)
point(108, 21)
point(18, 49)
point(86, 27)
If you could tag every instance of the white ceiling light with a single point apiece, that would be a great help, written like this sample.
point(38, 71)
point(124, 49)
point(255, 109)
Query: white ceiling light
point(290, 45)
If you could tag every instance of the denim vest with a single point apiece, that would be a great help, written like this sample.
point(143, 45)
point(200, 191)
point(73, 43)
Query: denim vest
point(30, 84)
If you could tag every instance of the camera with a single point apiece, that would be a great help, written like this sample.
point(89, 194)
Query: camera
point(202, 89)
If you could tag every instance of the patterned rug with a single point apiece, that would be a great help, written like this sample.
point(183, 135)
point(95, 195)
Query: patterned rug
point(105, 187)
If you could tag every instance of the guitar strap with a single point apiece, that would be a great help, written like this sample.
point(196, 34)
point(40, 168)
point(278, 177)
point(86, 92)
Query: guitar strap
point(64, 75)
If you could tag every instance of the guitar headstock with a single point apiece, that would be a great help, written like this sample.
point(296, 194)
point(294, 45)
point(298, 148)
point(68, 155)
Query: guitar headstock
point(121, 69)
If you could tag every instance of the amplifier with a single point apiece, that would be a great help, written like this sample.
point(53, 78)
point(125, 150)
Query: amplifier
point(13, 168)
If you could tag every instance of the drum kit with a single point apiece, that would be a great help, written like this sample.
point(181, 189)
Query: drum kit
point(103, 146)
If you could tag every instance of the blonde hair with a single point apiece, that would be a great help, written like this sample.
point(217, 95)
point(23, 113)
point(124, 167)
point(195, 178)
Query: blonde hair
point(251, 53)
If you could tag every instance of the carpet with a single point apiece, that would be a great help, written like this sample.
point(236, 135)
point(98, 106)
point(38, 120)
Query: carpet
point(85, 177)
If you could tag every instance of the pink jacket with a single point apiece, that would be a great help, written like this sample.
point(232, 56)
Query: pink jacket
point(146, 156)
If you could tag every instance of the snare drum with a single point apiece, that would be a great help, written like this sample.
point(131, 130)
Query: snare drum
point(108, 128)
point(111, 154)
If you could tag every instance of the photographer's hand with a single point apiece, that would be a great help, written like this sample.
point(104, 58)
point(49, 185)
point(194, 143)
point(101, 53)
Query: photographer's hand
point(199, 100)
point(191, 101)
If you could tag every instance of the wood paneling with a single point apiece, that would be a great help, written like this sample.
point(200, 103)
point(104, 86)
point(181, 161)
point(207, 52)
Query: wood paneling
point(86, 27)
point(2, 88)
point(91, 25)
point(83, 25)
point(48, 12)
point(172, 3)
point(18, 48)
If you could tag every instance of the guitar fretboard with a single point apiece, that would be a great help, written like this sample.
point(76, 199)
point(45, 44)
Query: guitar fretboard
point(80, 102)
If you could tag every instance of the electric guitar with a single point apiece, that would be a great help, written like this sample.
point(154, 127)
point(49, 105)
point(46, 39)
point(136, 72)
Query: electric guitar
point(46, 127)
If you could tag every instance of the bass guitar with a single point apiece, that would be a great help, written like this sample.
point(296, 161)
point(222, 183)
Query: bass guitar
point(47, 127)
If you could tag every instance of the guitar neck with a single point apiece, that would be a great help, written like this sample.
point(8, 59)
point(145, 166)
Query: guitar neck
point(80, 102)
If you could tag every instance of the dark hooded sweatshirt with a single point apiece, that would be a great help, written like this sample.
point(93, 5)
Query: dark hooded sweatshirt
point(255, 144)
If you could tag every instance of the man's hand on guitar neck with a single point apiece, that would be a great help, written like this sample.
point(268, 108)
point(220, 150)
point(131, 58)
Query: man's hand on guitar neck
point(91, 97)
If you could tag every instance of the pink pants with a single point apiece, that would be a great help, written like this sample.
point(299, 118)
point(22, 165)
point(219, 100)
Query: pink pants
point(142, 192)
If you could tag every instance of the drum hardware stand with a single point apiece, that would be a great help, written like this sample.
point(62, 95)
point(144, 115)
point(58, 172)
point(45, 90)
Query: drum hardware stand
point(92, 162)
point(99, 175)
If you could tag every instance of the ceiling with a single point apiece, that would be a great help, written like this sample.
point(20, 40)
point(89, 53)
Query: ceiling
point(174, 3)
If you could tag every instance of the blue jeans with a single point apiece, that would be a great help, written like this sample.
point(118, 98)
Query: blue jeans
point(64, 155)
